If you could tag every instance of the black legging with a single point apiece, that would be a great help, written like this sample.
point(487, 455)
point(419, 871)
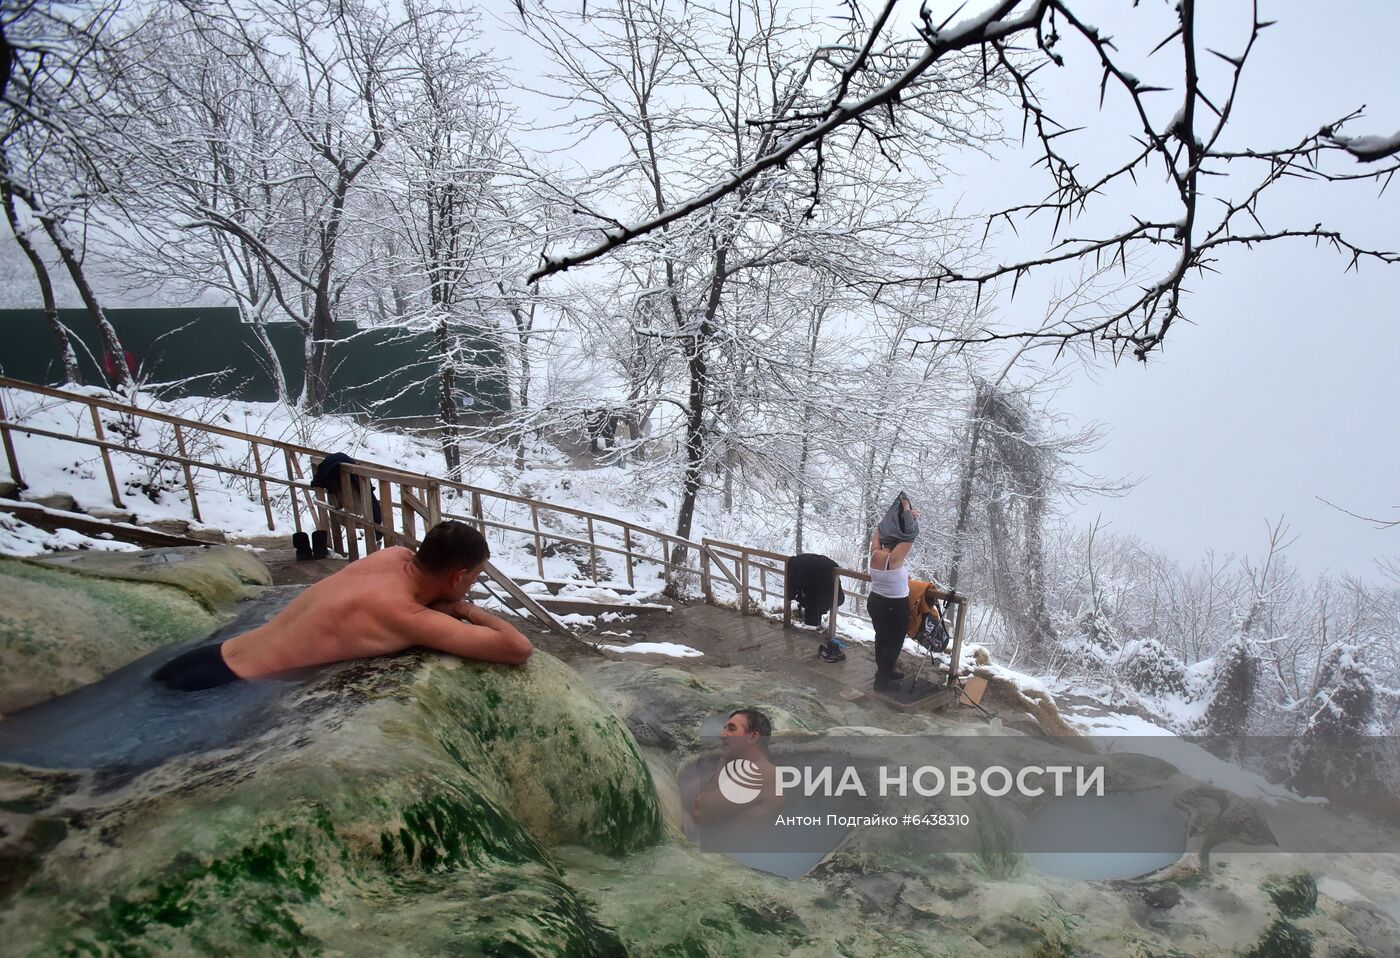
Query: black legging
point(890, 618)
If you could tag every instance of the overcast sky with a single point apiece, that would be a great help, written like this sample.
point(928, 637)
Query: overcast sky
point(1284, 388)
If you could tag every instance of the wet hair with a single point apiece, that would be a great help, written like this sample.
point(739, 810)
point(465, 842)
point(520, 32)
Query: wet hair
point(451, 546)
point(755, 721)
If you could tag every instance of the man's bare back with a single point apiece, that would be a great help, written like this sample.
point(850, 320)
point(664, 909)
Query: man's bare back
point(384, 603)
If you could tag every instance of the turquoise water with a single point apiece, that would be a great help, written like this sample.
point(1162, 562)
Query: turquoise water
point(1100, 837)
point(125, 723)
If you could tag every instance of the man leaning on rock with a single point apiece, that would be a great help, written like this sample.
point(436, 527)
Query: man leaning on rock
point(384, 603)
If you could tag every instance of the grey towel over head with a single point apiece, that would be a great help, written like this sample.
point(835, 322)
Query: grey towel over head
point(898, 526)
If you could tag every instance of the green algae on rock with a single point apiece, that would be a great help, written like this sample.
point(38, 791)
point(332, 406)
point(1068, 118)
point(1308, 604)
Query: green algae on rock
point(60, 630)
point(215, 575)
point(394, 796)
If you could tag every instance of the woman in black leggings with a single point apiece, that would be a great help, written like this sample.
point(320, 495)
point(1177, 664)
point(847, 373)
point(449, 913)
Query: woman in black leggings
point(888, 603)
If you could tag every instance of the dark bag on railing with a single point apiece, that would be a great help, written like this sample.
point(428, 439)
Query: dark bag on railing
point(932, 634)
point(327, 476)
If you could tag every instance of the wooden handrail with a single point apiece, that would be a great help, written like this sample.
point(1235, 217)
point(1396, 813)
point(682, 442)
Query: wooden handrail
point(419, 498)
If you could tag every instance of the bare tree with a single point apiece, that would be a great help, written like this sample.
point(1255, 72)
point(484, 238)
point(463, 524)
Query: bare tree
point(876, 85)
point(50, 160)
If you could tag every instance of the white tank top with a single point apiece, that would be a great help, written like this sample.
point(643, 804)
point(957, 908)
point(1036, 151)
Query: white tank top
point(890, 583)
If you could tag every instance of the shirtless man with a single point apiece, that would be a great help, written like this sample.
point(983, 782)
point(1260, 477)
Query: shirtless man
point(745, 736)
point(381, 604)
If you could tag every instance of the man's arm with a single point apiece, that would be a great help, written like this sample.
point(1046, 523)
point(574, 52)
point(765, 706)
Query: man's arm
point(465, 630)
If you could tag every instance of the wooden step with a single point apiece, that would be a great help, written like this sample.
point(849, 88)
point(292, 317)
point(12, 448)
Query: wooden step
point(55, 519)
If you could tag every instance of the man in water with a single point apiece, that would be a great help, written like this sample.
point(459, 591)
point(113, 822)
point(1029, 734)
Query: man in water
point(384, 603)
point(745, 737)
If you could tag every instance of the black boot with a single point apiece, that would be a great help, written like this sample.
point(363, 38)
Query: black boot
point(320, 549)
point(302, 543)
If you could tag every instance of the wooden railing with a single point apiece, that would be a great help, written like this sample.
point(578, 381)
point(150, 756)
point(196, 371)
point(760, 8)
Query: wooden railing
point(419, 500)
point(752, 569)
point(410, 502)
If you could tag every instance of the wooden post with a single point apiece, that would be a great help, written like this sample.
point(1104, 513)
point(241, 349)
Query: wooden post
point(292, 491)
point(189, 473)
point(831, 617)
point(432, 492)
point(106, 459)
point(262, 486)
point(347, 506)
point(539, 542)
point(762, 586)
point(627, 544)
point(366, 510)
point(10, 448)
point(592, 552)
point(787, 599)
point(706, 584)
point(956, 654)
point(408, 515)
point(744, 578)
point(386, 509)
point(333, 522)
point(478, 511)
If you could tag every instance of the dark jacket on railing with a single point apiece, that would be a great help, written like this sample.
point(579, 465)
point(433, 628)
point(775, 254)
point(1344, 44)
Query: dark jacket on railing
point(808, 582)
point(327, 477)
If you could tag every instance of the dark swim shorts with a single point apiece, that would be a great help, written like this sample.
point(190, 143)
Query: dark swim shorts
point(201, 668)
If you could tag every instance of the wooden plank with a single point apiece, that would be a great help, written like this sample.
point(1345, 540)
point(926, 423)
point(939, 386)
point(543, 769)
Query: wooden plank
point(744, 603)
point(550, 621)
point(956, 655)
point(407, 514)
point(347, 503)
point(366, 511)
point(106, 459)
point(333, 521)
point(831, 616)
point(127, 409)
point(189, 473)
point(627, 543)
point(262, 486)
point(719, 564)
point(592, 552)
point(10, 456)
point(432, 495)
point(706, 583)
point(974, 690)
point(53, 520)
point(787, 601)
point(295, 503)
point(539, 542)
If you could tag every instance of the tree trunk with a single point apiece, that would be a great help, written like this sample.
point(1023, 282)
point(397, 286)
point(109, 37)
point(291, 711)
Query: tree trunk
point(110, 342)
point(72, 374)
point(447, 402)
point(965, 484)
point(279, 380)
point(805, 422)
point(318, 349)
point(695, 421)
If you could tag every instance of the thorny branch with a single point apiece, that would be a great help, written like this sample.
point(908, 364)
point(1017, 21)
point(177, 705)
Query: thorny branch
point(875, 86)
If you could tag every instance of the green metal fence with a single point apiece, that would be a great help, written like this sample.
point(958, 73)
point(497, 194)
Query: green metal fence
point(389, 372)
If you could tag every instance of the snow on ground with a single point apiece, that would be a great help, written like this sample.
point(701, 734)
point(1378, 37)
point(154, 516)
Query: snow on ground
point(151, 491)
point(657, 648)
point(18, 538)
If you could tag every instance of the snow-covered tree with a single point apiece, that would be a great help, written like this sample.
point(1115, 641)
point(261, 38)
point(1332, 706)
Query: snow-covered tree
point(1331, 754)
